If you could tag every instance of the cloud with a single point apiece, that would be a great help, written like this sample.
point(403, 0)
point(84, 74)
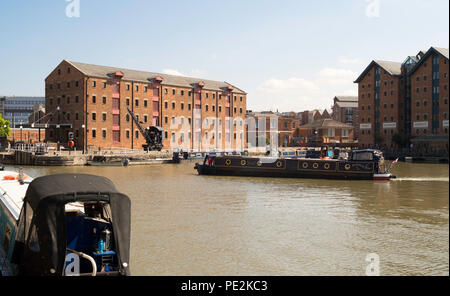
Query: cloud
point(172, 72)
point(335, 76)
point(346, 60)
point(291, 84)
point(299, 94)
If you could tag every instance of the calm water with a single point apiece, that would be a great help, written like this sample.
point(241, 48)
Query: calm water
point(185, 224)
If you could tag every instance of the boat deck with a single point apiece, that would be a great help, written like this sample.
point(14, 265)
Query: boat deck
point(12, 193)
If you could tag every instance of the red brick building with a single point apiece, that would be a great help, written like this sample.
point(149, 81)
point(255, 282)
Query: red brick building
point(194, 113)
point(278, 129)
point(345, 110)
point(399, 101)
point(381, 104)
point(429, 99)
point(326, 132)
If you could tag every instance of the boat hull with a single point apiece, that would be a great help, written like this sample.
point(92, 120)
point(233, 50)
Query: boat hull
point(290, 168)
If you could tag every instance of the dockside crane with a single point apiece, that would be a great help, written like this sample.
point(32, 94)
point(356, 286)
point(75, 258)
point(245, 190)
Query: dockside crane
point(151, 134)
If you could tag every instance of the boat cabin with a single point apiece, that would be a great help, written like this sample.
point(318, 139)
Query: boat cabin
point(73, 224)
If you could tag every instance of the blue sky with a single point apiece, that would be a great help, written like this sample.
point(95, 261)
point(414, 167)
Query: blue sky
point(287, 55)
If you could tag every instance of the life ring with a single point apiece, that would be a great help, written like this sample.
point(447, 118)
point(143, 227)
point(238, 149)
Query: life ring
point(279, 164)
point(305, 165)
point(259, 163)
point(326, 166)
point(347, 166)
point(228, 161)
point(243, 162)
point(315, 165)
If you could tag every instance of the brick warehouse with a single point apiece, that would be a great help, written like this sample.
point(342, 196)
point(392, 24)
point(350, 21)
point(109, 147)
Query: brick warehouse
point(429, 99)
point(194, 113)
point(388, 96)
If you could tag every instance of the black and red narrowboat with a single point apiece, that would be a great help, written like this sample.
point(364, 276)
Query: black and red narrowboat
point(365, 164)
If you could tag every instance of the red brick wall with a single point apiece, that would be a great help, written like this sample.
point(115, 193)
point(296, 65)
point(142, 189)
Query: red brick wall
point(129, 134)
point(421, 96)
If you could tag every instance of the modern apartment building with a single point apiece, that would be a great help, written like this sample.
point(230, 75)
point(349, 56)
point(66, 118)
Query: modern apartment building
point(17, 109)
point(400, 101)
point(92, 102)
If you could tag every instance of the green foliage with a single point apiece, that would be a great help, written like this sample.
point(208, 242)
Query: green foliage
point(4, 127)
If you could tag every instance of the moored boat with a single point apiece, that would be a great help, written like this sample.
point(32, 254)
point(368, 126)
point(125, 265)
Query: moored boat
point(360, 165)
point(65, 224)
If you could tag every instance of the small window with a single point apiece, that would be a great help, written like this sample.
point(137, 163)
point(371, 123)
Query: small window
point(94, 116)
point(94, 83)
point(94, 133)
point(104, 100)
point(104, 134)
point(94, 99)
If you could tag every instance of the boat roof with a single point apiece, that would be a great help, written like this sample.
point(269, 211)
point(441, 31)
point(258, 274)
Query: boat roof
point(12, 193)
point(367, 150)
point(65, 187)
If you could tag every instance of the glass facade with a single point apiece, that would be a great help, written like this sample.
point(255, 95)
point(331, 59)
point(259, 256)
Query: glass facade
point(18, 109)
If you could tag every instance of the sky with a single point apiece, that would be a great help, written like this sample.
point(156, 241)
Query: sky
point(288, 55)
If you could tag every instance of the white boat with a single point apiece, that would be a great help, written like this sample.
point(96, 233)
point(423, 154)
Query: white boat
point(42, 218)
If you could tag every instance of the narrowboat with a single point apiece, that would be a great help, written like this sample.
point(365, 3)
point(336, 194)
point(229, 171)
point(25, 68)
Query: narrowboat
point(63, 225)
point(365, 164)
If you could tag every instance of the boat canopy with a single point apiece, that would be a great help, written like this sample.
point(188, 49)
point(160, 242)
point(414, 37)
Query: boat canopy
point(40, 247)
point(367, 154)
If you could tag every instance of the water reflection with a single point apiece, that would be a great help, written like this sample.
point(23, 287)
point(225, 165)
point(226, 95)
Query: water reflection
point(185, 224)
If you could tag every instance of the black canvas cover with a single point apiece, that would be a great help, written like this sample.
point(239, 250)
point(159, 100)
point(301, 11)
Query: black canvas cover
point(41, 237)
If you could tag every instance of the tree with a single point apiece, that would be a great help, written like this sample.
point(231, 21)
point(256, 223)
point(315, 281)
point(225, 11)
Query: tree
point(4, 128)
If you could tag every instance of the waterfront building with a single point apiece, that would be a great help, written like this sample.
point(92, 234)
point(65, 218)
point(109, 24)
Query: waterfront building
point(17, 109)
point(381, 103)
point(326, 132)
point(27, 135)
point(92, 100)
point(271, 128)
point(345, 109)
point(401, 101)
point(429, 99)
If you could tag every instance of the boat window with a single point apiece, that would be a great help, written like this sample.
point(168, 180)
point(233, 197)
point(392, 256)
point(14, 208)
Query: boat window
point(33, 241)
point(363, 156)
